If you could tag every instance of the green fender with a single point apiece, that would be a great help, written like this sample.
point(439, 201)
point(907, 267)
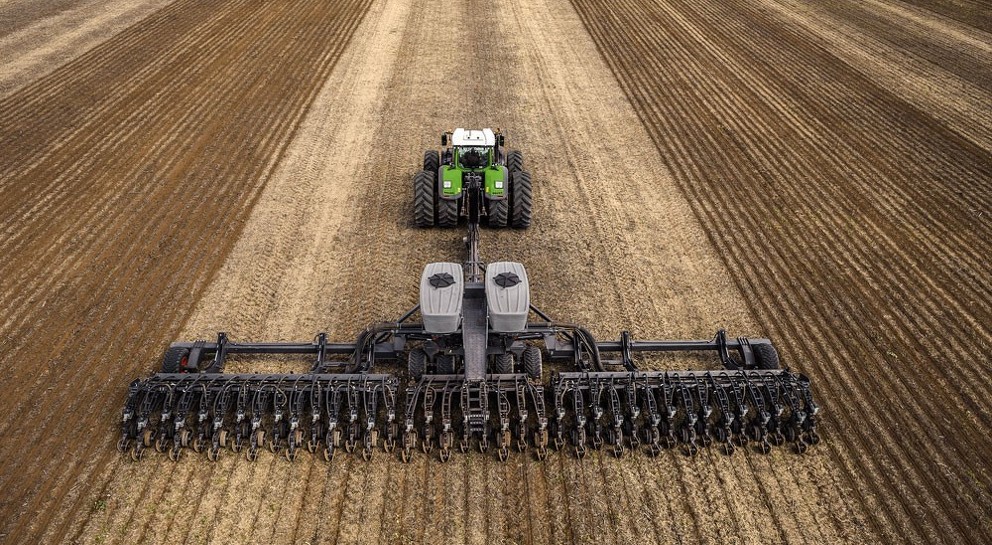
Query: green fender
point(450, 182)
point(496, 181)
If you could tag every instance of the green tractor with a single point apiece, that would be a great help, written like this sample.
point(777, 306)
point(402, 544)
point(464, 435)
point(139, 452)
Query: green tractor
point(472, 158)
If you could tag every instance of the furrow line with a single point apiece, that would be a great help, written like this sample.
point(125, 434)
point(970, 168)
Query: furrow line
point(150, 79)
point(249, 200)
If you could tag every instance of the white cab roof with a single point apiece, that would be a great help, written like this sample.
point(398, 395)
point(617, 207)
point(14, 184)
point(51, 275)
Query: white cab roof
point(473, 137)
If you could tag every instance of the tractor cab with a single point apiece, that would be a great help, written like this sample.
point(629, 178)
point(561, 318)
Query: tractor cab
point(473, 148)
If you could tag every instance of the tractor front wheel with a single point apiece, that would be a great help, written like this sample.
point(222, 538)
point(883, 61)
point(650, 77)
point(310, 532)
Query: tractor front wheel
point(431, 161)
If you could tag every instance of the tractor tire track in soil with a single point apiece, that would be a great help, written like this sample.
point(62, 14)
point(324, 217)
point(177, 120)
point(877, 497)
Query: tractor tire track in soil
point(127, 175)
point(860, 243)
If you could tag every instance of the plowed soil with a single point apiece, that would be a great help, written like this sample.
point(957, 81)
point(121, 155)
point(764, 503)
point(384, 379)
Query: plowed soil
point(817, 173)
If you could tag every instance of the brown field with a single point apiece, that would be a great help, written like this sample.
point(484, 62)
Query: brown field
point(815, 172)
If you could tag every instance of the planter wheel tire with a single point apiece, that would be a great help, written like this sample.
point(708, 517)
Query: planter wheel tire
point(532, 362)
point(514, 161)
point(423, 199)
point(522, 199)
point(431, 161)
point(445, 365)
point(765, 356)
point(503, 364)
point(417, 363)
point(175, 360)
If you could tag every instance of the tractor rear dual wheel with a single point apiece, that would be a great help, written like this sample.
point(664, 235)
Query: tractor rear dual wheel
point(447, 213)
point(521, 200)
point(516, 209)
point(499, 212)
point(423, 199)
point(521, 195)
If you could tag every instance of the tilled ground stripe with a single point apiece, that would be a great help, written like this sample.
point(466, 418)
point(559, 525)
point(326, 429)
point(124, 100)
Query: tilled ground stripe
point(18, 14)
point(216, 122)
point(964, 108)
point(973, 12)
point(829, 234)
point(965, 63)
point(724, 204)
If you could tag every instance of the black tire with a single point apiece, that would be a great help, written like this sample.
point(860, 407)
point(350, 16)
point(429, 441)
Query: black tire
point(447, 213)
point(522, 200)
point(445, 365)
point(173, 361)
point(514, 161)
point(533, 365)
point(499, 212)
point(765, 356)
point(416, 363)
point(503, 364)
point(431, 161)
point(423, 199)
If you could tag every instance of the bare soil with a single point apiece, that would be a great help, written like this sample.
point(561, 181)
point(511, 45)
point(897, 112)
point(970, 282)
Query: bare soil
point(818, 174)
